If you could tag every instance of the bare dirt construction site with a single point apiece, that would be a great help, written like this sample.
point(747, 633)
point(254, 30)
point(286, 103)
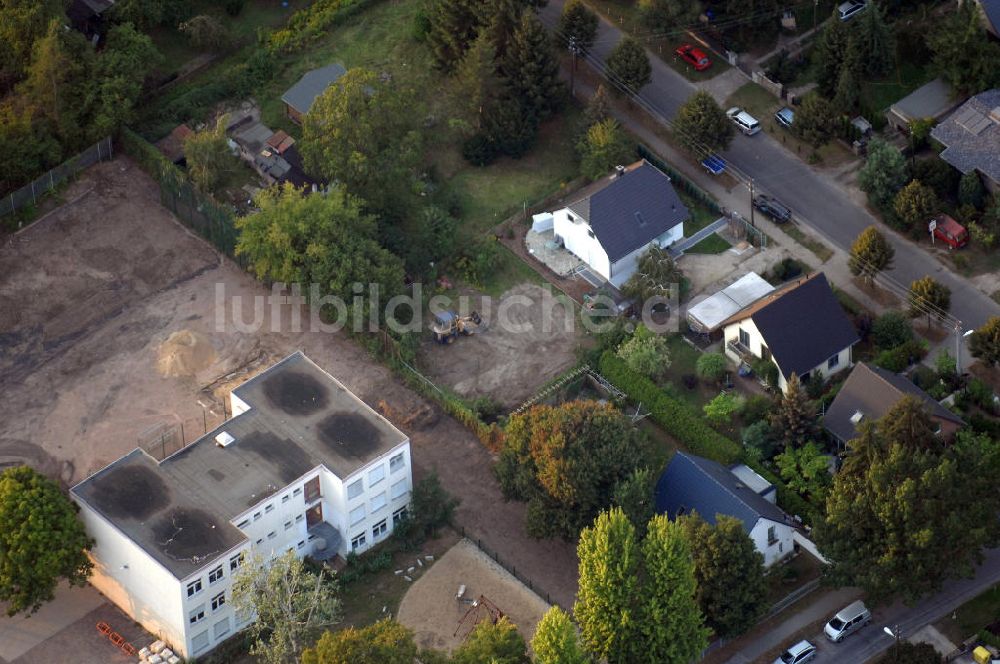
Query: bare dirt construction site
point(529, 336)
point(109, 336)
point(441, 620)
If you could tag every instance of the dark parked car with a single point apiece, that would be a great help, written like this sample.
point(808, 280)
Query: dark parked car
point(772, 208)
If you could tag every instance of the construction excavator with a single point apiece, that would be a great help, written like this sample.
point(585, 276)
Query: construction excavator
point(448, 325)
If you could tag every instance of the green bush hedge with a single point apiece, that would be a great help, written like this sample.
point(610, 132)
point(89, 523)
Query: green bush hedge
point(312, 22)
point(788, 500)
point(674, 417)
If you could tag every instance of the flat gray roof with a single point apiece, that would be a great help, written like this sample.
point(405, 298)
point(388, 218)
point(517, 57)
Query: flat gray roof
point(312, 84)
point(179, 510)
point(931, 100)
point(713, 310)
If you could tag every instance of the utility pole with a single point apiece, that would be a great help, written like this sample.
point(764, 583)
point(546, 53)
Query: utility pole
point(575, 50)
point(815, 13)
point(752, 221)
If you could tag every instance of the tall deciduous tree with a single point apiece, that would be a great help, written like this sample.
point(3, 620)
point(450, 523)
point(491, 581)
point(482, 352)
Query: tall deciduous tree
point(656, 276)
point(316, 238)
point(41, 540)
point(646, 352)
point(498, 643)
point(604, 608)
point(208, 157)
point(24, 22)
point(555, 640)
point(361, 133)
point(578, 24)
point(566, 461)
point(629, 65)
point(206, 32)
point(729, 571)
point(671, 624)
point(292, 605)
point(604, 146)
point(598, 108)
point(929, 298)
point(701, 126)
point(532, 70)
point(794, 418)
point(985, 342)
point(915, 204)
point(385, 642)
point(60, 61)
point(883, 174)
point(664, 14)
point(871, 253)
point(900, 521)
point(120, 70)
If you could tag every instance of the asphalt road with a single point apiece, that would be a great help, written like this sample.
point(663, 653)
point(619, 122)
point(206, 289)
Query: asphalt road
point(814, 199)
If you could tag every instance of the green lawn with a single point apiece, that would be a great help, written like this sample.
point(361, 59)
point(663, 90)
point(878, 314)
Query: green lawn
point(713, 244)
point(972, 616)
point(701, 216)
point(880, 94)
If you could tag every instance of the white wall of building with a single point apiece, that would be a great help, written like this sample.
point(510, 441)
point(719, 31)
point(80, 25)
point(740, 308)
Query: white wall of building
point(579, 239)
point(776, 548)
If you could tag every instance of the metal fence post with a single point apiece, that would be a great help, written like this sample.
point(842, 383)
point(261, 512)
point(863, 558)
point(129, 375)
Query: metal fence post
point(33, 201)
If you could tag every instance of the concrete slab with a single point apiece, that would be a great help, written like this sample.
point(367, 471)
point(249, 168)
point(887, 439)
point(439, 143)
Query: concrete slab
point(18, 635)
point(930, 634)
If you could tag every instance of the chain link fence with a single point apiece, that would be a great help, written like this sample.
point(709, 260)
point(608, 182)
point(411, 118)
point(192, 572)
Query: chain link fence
point(32, 192)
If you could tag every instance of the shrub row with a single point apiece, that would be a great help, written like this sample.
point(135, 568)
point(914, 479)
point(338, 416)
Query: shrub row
point(678, 179)
point(312, 22)
point(899, 358)
point(674, 417)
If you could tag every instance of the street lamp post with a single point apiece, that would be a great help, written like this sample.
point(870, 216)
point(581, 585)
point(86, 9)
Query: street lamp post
point(894, 633)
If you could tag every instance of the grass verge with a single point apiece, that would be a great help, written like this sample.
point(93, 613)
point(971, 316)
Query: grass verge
point(972, 616)
point(821, 251)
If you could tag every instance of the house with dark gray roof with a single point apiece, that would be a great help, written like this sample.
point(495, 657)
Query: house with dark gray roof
point(303, 466)
point(869, 393)
point(613, 221)
point(694, 484)
point(300, 97)
point(800, 327)
point(971, 137)
point(991, 16)
point(931, 101)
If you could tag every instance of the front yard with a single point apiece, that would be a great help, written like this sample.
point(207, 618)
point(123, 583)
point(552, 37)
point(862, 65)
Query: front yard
point(972, 616)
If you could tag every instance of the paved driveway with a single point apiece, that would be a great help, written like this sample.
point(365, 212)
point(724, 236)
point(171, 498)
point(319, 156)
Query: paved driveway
point(812, 196)
point(18, 635)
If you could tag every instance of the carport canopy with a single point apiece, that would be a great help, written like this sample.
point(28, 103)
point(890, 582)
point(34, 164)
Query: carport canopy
point(707, 315)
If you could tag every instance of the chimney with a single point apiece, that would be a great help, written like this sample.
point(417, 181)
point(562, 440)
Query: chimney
point(619, 171)
point(995, 114)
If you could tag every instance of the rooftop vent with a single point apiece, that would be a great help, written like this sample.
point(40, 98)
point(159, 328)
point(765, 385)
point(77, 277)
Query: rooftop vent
point(638, 218)
point(619, 171)
point(857, 417)
point(995, 114)
point(224, 439)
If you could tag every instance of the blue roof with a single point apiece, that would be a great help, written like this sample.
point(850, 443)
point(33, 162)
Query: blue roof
point(695, 484)
point(992, 10)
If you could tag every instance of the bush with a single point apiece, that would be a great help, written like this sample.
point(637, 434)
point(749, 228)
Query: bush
point(891, 329)
point(981, 394)
point(234, 7)
point(899, 358)
point(723, 408)
point(312, 22)
point(480, 150)
point(711, 366)
point(690, 381)
point(786, 269)
point(676, 418)
point(757, 407)
point(766, 370)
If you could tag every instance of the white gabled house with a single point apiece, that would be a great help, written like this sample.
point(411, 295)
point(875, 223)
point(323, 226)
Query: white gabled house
point(800, 327)
point(303, 465)
point(695, 484)
point(611, 223)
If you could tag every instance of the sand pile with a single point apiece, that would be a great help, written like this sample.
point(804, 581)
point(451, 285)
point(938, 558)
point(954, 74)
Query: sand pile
point(185, 353)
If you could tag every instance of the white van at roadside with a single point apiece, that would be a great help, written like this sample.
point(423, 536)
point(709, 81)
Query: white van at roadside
point(847, 621)
point(747, 123)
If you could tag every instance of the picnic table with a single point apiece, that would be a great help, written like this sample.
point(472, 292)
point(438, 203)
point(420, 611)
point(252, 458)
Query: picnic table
point(714, 164)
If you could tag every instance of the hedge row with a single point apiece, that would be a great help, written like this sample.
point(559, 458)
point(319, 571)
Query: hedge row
point(674, 417)
point(687, 185)
point(312, 22)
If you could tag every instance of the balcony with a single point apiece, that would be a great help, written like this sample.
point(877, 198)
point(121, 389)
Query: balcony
point(740, 350)
point(326, 543)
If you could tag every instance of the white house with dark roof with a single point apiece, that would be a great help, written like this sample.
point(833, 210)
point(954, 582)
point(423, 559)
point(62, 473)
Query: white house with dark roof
point(303, 465)
point(800, 327)
point(612, 222)
point(971, 137)
point(694, 484)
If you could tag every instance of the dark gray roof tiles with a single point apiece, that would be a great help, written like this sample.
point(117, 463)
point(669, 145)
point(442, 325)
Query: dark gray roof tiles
point(971, 135)
point(628, 211)
point(695, 484)
point(872, 391)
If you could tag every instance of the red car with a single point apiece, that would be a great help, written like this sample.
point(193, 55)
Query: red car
point(950, 231)
point(694, 57)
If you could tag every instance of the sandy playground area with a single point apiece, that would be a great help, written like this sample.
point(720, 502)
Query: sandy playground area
point(431, 610)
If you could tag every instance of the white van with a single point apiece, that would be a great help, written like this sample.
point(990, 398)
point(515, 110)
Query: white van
point(847, 621)
point(848, 9)
point(747, 123)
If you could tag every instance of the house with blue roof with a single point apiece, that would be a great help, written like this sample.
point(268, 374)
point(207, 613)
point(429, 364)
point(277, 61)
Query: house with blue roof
point(612, 222)
point(694, 484)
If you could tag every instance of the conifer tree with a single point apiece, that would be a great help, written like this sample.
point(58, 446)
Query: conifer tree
point(454, 24)
point(578, 24)
point(794, 418)
point(532, 70)
point(629, 64)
